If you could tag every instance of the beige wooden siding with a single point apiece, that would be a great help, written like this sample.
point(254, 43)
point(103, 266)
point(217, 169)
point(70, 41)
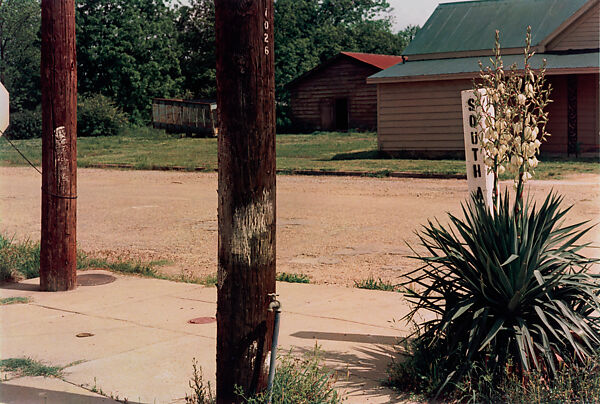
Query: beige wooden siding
point(584, 33)
point(343, 79)
point(427, 116)
point(421, 116)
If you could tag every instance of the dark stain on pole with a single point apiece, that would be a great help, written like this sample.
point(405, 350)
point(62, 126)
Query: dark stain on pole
point(246, 105)
point(59, 146)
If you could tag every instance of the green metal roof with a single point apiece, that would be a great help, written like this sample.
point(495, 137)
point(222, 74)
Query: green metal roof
point(470, 25)
point(471, 65)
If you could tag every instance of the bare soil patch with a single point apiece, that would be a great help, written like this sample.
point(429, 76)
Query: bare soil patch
point(334, 229)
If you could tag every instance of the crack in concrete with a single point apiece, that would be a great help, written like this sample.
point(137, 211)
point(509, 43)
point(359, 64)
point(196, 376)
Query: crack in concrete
point(123, 321)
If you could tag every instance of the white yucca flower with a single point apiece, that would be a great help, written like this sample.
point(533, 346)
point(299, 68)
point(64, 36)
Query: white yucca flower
point(530, 150)
point(517, 127)
point(514, 118)
point(534, 133)
point(529, 90)
point(533, 162)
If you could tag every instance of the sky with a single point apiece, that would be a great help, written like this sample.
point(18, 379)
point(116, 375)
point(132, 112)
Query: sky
point(406, 12)
point(413, 12)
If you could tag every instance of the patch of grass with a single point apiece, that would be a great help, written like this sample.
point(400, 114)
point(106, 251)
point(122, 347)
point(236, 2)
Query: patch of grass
point(577, 384)
point(208, 280)
point(379, 174)
point(373, 284)
point(145, 148)
point(145, 269)
point(29, 367)
point(418, 372)
point(293, 278)
point(297, 380)
point(18, 260)
point(14, 300)
point(123, 267)
point(361, 155)
point(21, 260)
point(300, 380)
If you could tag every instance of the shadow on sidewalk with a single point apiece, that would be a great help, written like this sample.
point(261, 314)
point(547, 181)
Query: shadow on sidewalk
point(347, 337)
point(28, 287)
point(362, 371)
point(11, 394)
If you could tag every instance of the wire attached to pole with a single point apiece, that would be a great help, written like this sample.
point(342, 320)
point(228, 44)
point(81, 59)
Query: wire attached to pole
point(19, 151)
point(36, 169)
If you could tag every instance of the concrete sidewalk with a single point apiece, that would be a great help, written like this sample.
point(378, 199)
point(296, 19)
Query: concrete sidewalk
point(142, 343)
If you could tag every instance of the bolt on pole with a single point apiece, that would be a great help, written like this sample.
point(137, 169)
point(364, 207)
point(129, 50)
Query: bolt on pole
point(246, 273)
point(59, 146)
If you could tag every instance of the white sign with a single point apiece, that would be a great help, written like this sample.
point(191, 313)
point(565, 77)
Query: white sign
point(479, 180)
point(3, 109)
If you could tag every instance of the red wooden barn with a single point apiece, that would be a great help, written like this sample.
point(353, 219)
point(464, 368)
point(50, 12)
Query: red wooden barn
point(335, 94)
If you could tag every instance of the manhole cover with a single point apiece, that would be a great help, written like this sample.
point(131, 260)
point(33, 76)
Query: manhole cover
point(202, 320)
point(94, 279)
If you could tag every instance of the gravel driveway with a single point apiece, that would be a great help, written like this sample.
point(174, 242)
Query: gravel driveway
point(333, 229)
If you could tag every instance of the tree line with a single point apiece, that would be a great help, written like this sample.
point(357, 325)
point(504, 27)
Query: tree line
point(129, 51)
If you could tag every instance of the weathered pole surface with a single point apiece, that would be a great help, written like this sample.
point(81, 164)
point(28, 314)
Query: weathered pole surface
point(246, 105)
point(59, 146)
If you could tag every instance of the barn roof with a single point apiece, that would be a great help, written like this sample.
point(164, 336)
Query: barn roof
point(469, 67)
point(470, 25)
point(377, 61)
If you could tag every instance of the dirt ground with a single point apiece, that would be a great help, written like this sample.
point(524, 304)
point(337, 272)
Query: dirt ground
point(336, 230)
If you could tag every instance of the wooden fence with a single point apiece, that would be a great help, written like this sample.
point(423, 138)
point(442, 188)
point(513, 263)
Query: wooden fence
point(180, 116)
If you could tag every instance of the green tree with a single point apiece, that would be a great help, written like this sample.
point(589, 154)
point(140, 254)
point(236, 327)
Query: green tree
point(408, 34)
point(196, 36)
point(20, 22)
point(127, 50)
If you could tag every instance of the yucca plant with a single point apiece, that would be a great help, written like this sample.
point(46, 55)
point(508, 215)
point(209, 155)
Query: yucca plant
point(509, 290)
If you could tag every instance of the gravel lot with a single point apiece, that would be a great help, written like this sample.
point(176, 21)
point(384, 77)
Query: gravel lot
point(334, 229)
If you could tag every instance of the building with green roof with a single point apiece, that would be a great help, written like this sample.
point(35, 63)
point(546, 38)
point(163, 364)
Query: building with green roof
point(419, 105)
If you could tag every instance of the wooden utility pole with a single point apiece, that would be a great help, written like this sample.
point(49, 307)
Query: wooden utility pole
point(246, 105)
point(59, 146)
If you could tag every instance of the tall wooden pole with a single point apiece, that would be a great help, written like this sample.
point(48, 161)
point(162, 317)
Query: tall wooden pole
point(59, 146)
point(246, 105)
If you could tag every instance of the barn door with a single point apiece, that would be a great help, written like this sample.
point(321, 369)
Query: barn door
point(326, 110)
point(341, 114)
